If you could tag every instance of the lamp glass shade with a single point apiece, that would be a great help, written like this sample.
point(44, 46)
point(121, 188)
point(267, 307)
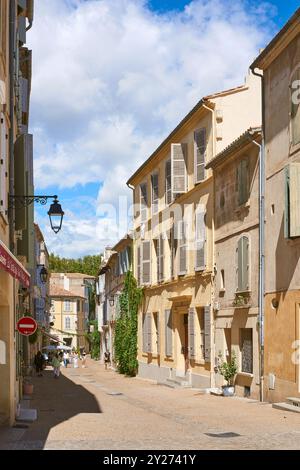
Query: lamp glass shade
point(56, 215)
point(44, 275)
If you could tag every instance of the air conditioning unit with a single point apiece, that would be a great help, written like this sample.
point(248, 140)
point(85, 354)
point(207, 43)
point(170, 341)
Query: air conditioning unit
point(217, 306)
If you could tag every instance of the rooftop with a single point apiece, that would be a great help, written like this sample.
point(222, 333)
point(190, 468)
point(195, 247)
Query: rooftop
point(56, 291)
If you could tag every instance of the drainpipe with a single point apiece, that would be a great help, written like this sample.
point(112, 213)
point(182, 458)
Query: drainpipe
point(212, 364)
point(261, 291)
point(30, 9)
point(12, 46)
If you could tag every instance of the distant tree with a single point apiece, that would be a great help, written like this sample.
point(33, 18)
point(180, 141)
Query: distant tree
point(87, 265)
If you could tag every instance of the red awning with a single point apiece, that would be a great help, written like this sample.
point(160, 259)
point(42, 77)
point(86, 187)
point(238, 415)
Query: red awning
point(9, 263)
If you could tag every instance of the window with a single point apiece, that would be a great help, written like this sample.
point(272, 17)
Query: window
point(78, 305)
point(178, 169)
point(247, 350)
point(242, 266)
point(157, 337)
point(222, 279)
point(168, 182)
point(200, 241)
point(295, 108)
point(292, 198)
point(139, 258)
point(200, 154)
point(147, 333)
point(154, 185)
point(143, 202)
point(67, 323)
point(242, 181)
point(173, 251)
point(67, 305)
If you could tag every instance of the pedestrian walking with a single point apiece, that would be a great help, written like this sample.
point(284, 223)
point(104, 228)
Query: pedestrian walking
point(56, 366)
point(66, 359)
point(39, 363)
point(75, 361)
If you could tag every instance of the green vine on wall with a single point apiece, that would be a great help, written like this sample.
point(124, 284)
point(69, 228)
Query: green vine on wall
point(126, 328)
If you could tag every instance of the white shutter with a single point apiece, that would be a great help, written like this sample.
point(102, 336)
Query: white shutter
point(182, 248)
point(168, 182)
point(200, 242)
point(168, 333)
point(155, 200)
point(146, 262)
point(160, 258)
point(158, 333)
point(139, 265)
point(200, 154)
point(207, 334)
point(3, 164)
point(178, 168)
point(294, 200)
point(192, 333)
point(145, 335)
point(149, 332)
point(143, 202)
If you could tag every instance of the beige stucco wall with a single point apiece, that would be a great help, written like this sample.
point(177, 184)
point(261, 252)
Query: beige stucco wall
point(282, 255)
point(76, 325)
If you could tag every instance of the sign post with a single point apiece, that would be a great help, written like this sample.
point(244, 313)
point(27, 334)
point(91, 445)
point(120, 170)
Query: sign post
point(27, 326)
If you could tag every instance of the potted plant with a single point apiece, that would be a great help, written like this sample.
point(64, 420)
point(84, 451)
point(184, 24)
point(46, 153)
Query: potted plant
point(228, 371)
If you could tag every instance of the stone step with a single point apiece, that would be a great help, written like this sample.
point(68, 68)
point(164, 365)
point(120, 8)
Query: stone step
point(167, 384)
point(293, 401)
point(27, 415)
point(286, 407)
point(179, 381)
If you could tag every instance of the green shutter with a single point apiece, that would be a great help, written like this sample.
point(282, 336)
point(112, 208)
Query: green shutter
point(207, 334)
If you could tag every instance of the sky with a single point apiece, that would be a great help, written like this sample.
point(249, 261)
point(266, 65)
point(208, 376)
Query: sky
point(111, 79)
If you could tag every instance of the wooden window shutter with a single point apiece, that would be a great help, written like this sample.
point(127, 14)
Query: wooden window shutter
point(243, 264)
point(192, 333)
point(182, 248)
point(158, 333)
point(160, 258)
point(207, 334)
point(178, 168)
point(200, 255)
point(294, 199)
point(149, 333)
point(146, 260)
point(139, 265)
point(143, 202)
point(20, 179)
point(154, 185)
point(168, 182)
point(200, 154)
point(287, 202)
point(173, 241)
point(3, 165)
point(145, 333)
point(243, 181)
point(168, 333)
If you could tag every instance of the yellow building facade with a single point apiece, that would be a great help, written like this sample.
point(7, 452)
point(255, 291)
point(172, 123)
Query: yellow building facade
point(174, 238)
point(279, 63)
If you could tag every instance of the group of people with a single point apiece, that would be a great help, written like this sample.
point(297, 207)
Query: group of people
point(56, 360)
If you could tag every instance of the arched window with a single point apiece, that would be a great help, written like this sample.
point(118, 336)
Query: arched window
point(242, 264)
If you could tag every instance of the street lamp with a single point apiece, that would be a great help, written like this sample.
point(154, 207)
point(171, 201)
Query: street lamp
point(56, 215)
point(55, 212)
point(43, 274)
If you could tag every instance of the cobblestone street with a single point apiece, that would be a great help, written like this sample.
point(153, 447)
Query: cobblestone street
point(92, 408)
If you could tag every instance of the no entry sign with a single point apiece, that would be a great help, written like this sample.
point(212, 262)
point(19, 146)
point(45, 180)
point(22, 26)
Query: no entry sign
point(27, 326)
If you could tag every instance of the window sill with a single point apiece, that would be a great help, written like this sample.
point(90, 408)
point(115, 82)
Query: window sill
point(246, 374)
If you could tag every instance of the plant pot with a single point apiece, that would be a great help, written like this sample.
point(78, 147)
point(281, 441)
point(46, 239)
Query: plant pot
point(27, 388)
point(228, 391)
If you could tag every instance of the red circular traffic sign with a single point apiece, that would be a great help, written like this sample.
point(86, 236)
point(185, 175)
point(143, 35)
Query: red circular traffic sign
point(27, 326)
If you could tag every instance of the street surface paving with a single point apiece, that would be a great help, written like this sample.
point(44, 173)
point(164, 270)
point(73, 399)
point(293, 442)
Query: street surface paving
point(93, 408)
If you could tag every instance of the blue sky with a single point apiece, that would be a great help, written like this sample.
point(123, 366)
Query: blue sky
point(111, 79)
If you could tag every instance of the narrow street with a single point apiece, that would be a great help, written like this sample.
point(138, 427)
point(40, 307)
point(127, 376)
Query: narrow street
point(94, 408)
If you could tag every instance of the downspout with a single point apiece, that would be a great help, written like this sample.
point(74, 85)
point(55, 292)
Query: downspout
point(261, 291)
point(12, 46)
point(30, 9)
point(212, 362)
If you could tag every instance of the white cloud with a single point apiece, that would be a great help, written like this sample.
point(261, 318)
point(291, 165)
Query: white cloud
point(111, 79)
